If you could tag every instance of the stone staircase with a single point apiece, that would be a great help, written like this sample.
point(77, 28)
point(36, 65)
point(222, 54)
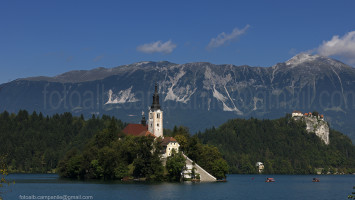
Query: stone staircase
point(204, 175)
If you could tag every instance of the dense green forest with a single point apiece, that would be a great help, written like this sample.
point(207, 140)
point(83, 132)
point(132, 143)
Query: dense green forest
point(283, 145)
point(33, 143)
point(94, 148)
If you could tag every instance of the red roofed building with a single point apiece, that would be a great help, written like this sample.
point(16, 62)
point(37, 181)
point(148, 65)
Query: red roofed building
point(322, 117)
point(154, 127)
point(135, 129)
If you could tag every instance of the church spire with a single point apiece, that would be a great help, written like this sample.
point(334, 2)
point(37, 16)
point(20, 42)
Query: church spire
point(155, 121)
point(143, 121)
point(155, 104)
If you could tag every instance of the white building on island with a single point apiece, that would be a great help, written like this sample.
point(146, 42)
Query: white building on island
point(154, 127)
point(155, 121)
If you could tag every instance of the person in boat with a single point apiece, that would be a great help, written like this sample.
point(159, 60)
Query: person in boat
point(315, 180)
point(270, 180)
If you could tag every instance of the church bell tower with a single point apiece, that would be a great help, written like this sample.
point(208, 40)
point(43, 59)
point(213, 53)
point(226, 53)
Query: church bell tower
point(155, 121)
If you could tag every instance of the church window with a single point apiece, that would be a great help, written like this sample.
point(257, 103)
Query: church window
point(158, 115)
point(158, 124)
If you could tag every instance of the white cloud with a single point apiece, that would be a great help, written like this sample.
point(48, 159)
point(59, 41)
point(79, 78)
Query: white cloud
point(223, 37)
point(340, 46)
point(157, 47)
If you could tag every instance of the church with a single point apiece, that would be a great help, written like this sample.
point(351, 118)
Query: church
point(153, 127)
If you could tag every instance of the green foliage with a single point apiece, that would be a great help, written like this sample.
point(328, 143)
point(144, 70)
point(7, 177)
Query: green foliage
point(147, 164)
point(3, 171)
point(352, 195)
point(182, 140)
point(95, 148)
point(35, 143)
point(283, 145)
point(107, 157)
point(219, 168)
point(175, 165)
point(3, 174)
point(207, 156)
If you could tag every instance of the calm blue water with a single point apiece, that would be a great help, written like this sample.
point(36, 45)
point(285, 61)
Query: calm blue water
point(237, 187)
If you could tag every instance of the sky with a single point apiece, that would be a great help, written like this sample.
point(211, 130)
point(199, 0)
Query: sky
point(47, 38)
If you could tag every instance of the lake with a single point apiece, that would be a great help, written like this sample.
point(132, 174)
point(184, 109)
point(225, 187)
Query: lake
point(237, 187)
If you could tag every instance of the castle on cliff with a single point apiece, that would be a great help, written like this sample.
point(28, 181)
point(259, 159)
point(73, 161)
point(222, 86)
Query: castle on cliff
point(315, 123)
point(307, 114)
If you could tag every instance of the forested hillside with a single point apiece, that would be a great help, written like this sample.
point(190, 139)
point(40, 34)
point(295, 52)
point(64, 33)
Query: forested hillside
point(94, 148)
point(34, 143)
point(283, 145)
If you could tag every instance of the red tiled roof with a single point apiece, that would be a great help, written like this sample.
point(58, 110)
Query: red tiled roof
point(135, 129)
point(167, 140)
point(146, 133)
point(296, 111)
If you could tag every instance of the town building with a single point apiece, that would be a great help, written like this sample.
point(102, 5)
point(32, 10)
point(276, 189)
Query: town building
point(260, 167)
point(297, 114)
point(307, 114)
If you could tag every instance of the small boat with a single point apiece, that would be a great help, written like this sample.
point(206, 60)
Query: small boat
point(269, 180)
point(315, 180)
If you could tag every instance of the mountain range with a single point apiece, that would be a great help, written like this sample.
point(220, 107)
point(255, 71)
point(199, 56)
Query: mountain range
point(197, 95)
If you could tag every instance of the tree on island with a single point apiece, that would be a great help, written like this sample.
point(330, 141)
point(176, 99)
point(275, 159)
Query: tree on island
point(175, 164)
point(219, 168)
point(147, 164)
point(109, 157)
point(205, 155)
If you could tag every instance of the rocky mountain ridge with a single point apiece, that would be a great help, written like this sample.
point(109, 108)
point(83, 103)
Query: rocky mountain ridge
point(197, 95)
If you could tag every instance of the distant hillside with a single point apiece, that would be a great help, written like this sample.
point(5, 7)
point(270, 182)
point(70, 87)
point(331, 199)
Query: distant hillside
point(283, 145)
point(34, 143)
point(196, 95)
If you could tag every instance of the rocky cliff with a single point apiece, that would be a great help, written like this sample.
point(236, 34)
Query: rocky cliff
point(317, 126)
